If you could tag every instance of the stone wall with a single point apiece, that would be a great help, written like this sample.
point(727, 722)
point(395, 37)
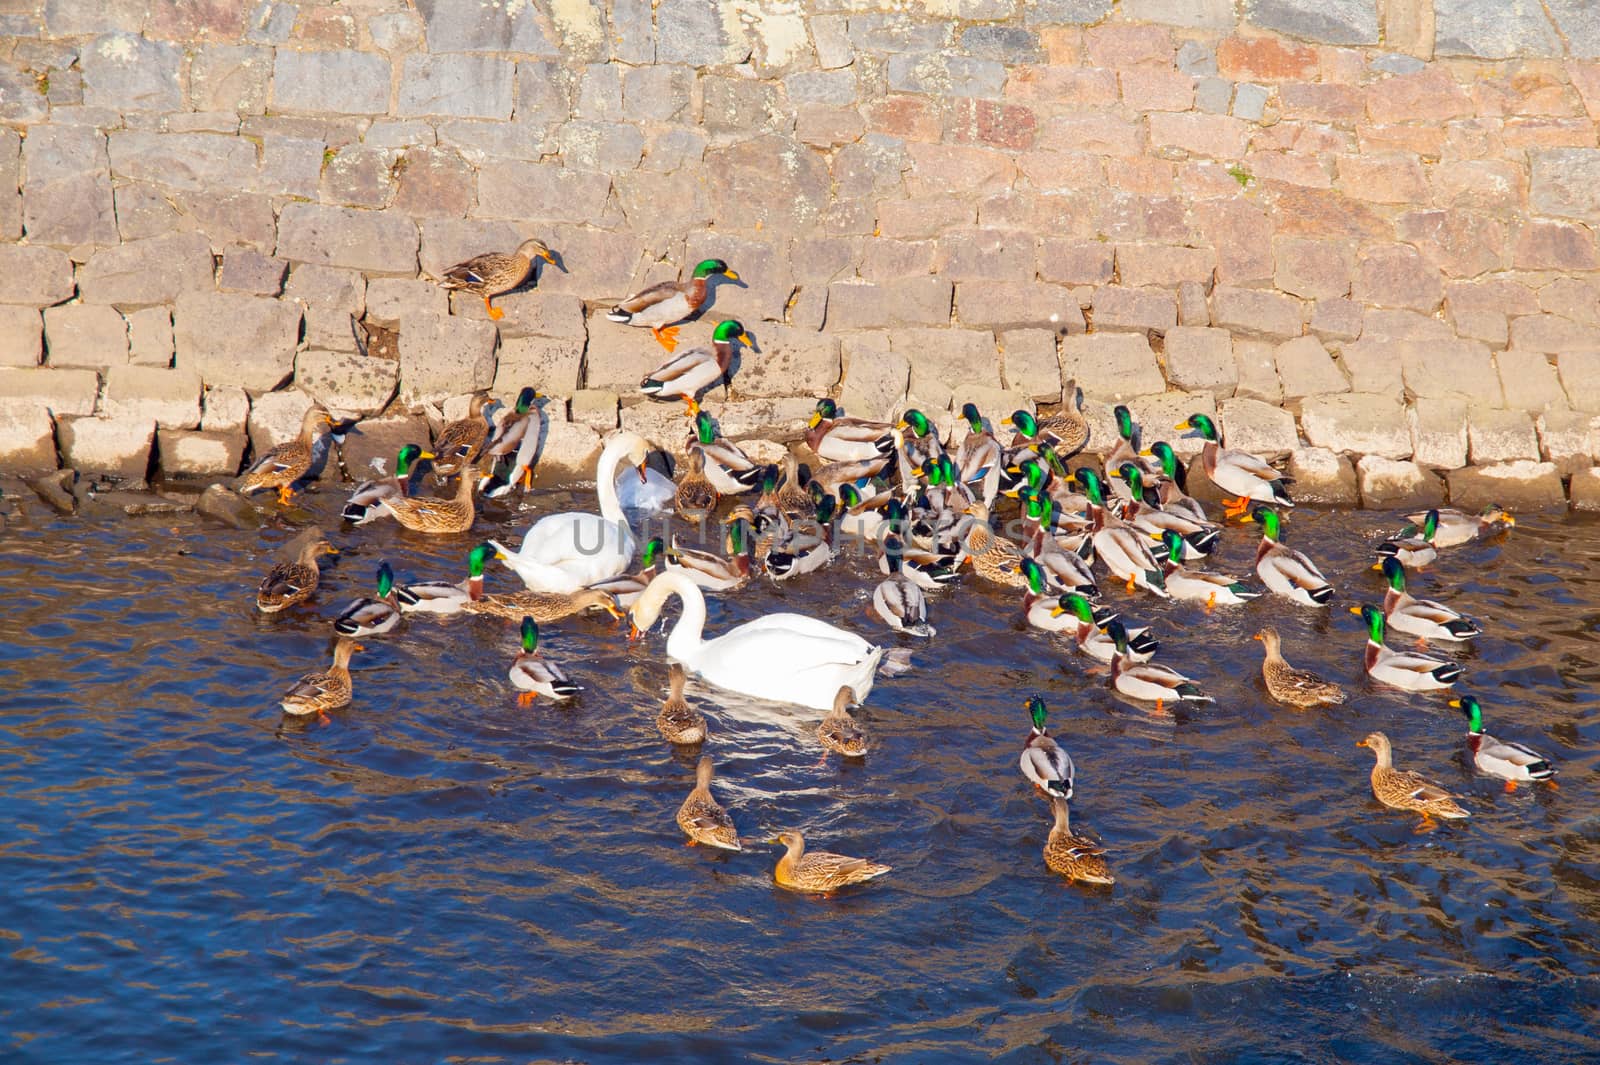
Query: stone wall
point(1360, 229)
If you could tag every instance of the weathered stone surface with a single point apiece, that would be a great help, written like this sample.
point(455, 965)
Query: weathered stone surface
point(1390, 485)
point(392, 301)
point(192, 161)
point(944, 74)
point(1516, 486)
point(112, 447)
point(442, 356)
point(1396, 275)
point(464, 86)
point(1493, 30)
point(1032, 366)
point(1578, 24)
point(222, 504)
point(80, 334)
point(1200, 359)
point(434, 183)
point(697, 34)
point(276, 417)
point(1570, 439)
point(875, 378)
point(169, 397)
point(1565, 182)
point(1328, 21)
point(1258, 370)
point(567, 454)
point(194, 453)
point(1585, 488)
point(1253, 313)
point(1017, 305)
point(335, 82)
point(1111, 366)
point(143, 273)
point(328, 287)
point(1336, 320)
point(124, 72)
point(913, 301)
point(1528, 380)
point(66, 199)
point(1553, 335)
point(27, 437)
point(1151, 310)
point(247, 270)
point(1323, 478)
point(1259, 428)
point(1458, 369)
point(949, 357)
point(21, 337)
point(791, 362)
point(34, 276)
point(230, 339)
point(1438, 432)
point(1306, 369)
point(224, 409)
point(1357, 423)
point(150, 337)
point(551, 364)
point(370, 241)
point(1500, 436)
point(592, 407)
point(1580, 376)
point(225, 77)
point(59, 391)
point(1073, 263)
point(517, 190)
point(347, 383)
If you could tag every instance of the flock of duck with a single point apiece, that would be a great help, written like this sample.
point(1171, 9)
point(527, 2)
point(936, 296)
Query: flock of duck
point(926, 511)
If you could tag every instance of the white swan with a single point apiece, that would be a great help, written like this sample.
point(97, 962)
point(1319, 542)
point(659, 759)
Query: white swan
point(565, 552)
point(788, 658)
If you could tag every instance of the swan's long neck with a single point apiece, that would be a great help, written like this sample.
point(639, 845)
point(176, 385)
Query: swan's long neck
point(605, 483)
point(685, 639)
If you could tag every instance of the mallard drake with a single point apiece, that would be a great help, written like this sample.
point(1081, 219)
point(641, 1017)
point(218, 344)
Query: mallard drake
point(1065, 570)
point(727, 467)
point(1415, 551)
point(1127, 452)
point(1062, 434)
point(686, 376)
point(1423, 618)
point(1120, 548)
point(696, 497)
point(1074, 857)
point(459, 442)
point(819, 872)
point(363, 505)
point(513, 445)
point(372, 616)
point(925, 569)
point(1147, 681)
point(285, 464)
point(1044, 763)
point(626, 588)
point(1200, 538)
point(1199, 586)
point(1401, 789)
point(679, 722)
point(1172, 490)
point(840, 439)
point(1072, 615)
point(290, 583)
point(980, 460)
point(1283, 569)
point(1456, 528)
point(702, 818)
point(534, 675)
point(839, 732)
point(656, 308)
point(1291, 686)
point(1511, 762)
point(317, 693)
point(439, 517)
point(863, 517)
point(443, 597)
point(719, 573)
point(496, 273)
point(993, 558)
point(919, 441)
point(1401, 669)
point(808, 548)
point(543, 607)
point(900, 603)
point(1243, 474)
point(572, 550)
point(788, 658)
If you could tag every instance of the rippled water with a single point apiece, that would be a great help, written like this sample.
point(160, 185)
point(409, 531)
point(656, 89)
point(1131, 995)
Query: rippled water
point(438, 874)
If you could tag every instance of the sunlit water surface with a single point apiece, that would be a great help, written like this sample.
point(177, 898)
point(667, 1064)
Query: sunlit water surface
point(438, 874)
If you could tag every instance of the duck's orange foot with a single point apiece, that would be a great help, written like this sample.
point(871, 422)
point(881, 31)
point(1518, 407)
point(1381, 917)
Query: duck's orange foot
point(1211, 602)
point(690, 843)
point(495, 313)
point(666, 336)
point(1428, 824)
point(1233, 508)
point(527, 698)
point(323, 718)
point(1131, 585)
point(692, 407)
point(527, 478)
point(1511, 787)
point(1422, 643)
point(285, 494)
point(1551, 781)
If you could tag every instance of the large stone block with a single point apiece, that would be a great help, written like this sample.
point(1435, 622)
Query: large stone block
point(465, 86)
point(911, 302)
point(1032, 364)
point(508, 189)
point(1111, 366)
point(230, 339)
point(81, 334)
point(1147, 310)
point(1388, 484)
point(1580, 377)
point(1516, 486)
point(1306, 369)
point(21, 336)
point(1200, 359)
point(379, 440)
point(1438, 432)
point(1254, 313)
point(225, 77)
point(1553, 335)
point(195, 453)
point(335, 82)
point(1529, 381)
point(442, 356)
point(125, 72)
point(1500, 436)
point(1017, 305)
point(111, 447)
point(1585, 486)
point(1357, 423)
point(1157, 414)
point(949, 357)
point(875, 378)
point(224, 409)
point(144, 273)
point(1313, 269)
point(791, 362)
point(1324, 478)
point(1565, 182)
point(169, 397)
point(27, 437)
point(553, 365)
point(275, 418)
point(1493, 30)
point(392, 301)
point(1327, 21)
point(190, 161)
point(1257, 427)
point(66, 199)
point(1570, 439)
point(34, 276)
point(347, 383)
point(57, 391)
point(373, 242)
point(1258, 370)
point(1461, 369)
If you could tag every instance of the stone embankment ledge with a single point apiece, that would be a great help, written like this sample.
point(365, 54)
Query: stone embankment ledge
point(1358, 230)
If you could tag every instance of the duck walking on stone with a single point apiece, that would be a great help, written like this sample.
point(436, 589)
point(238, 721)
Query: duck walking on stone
point(496, 273)
point(686, 376)
point(285, 464)
point(659, 306)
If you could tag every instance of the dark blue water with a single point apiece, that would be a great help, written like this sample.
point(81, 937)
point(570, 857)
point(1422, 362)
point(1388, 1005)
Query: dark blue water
point(440, 875)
